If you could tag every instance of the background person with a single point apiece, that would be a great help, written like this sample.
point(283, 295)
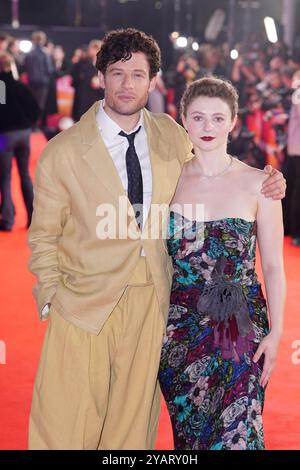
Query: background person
point(17, 117)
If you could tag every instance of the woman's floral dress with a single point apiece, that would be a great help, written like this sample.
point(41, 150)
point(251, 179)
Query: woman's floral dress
point(216, 321)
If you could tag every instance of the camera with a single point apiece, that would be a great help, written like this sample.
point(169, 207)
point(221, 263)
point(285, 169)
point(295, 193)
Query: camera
point(250, 58)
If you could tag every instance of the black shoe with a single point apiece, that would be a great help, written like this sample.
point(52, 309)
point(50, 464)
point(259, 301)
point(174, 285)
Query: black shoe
point(296, 241)
point(5, 228)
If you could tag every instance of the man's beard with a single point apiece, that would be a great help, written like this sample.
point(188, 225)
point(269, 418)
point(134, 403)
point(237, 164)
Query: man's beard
point(124, 112)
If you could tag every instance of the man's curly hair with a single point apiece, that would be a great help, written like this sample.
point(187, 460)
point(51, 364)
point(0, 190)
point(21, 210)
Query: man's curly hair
point(121, 43)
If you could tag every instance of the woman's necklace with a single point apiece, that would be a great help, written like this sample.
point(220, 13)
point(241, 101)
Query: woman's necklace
point(221, 172)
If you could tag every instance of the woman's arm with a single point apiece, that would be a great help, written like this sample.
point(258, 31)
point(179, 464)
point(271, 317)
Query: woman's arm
point(270, 240)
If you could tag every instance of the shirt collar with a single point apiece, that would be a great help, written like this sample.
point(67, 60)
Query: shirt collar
point(109, 128)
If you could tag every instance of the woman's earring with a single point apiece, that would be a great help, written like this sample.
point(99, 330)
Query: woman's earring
point(229, 137)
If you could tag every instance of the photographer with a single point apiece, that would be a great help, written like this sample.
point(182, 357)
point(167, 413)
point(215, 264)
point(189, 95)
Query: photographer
point(187, 70)
point(242, 76)
point(275, 104)
point(243, 143)
point(292, 205)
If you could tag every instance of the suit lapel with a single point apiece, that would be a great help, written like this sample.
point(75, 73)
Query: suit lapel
point(97, 156)
point(159, 156)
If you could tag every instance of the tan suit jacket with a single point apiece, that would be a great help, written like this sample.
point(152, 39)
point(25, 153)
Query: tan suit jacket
point(82, 276)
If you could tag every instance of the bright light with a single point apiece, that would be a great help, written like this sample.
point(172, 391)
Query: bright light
point(271, 29)
point(234, 54)
point(195, 46)
point(25, 45)
point(181, 41)
point(174, 35)
point(15, 24)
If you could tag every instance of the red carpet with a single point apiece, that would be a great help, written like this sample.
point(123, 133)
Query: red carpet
point(22, 334)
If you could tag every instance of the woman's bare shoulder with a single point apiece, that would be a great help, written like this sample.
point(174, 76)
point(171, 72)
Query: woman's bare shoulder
point(253, 177)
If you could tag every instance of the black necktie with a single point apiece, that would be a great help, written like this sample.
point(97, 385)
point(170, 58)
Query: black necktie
point(135, 179)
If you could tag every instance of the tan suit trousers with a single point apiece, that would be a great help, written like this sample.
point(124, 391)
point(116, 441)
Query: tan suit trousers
point(101, 391)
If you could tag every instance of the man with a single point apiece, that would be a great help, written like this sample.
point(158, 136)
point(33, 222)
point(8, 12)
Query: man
point(19, 113)
point(3, 42)
point(96, 386)
point(39, 67)
point(291, 206)
point(86, 82)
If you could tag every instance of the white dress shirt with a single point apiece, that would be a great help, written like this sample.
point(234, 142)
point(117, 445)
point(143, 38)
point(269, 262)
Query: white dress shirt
point(117, 147)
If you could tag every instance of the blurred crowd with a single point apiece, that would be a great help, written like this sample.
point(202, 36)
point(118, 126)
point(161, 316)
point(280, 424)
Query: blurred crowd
point(266, 75)
point(45, 64)
point(267, 78)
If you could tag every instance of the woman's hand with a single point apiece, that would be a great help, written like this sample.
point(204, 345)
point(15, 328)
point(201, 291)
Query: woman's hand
point(268, 347)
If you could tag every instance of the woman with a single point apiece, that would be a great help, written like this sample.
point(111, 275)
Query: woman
point(219, 353)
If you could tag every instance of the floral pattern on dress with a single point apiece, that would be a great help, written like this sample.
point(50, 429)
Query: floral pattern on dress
point(214, 403)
